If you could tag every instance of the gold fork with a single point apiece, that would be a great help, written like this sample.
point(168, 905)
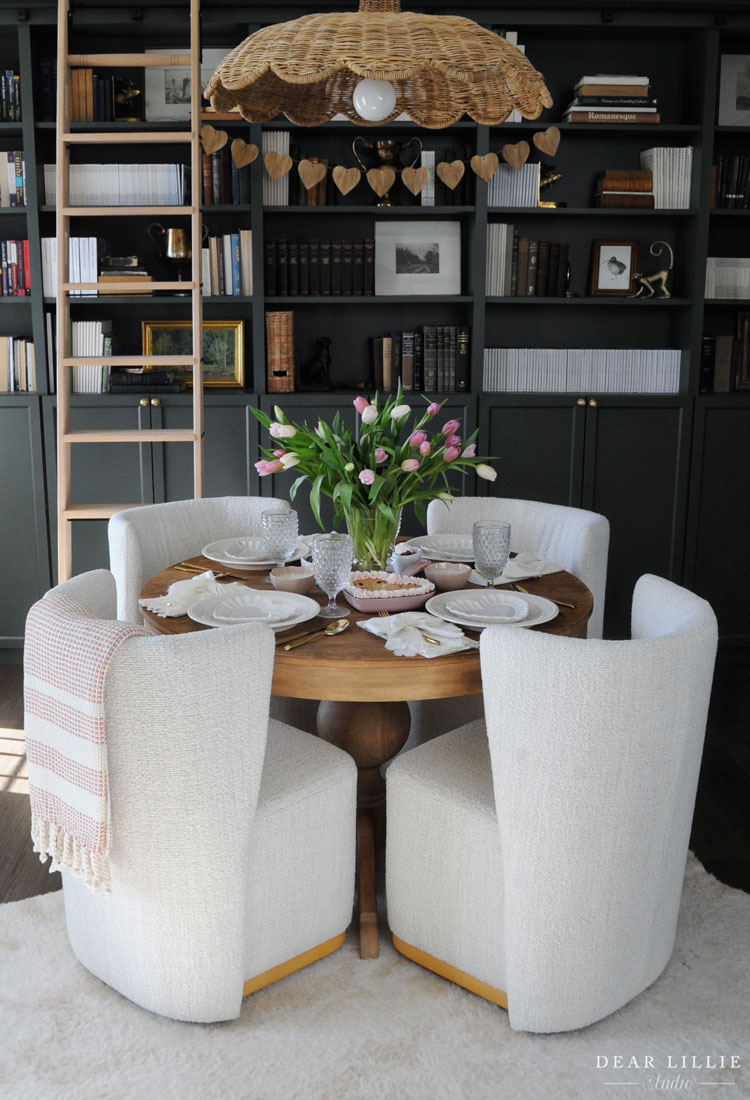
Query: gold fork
point(560, 603)
point(427, 638)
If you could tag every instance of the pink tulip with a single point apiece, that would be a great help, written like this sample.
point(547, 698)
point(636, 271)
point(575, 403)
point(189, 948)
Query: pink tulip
point(450, 427)
point(267, 467)
point(380, 454)
point(279, 454)
point(360, 404)
point(367, 476)
point(433, 409)
point(410, 465)
point(451, 454)
point(469, 451)
point(416, 439)
point(425, 448)
point(453, 441)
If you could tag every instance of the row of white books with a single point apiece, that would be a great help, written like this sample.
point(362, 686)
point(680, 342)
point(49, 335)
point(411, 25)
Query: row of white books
point(499, 259)
point(671, 168)
point(581, 370)
point(82, 265)
point(728, 277)
point(17, 365)
point(511, 187)
point(87, 338)
point(227, 265)
point(122, 184)
point(276, 192)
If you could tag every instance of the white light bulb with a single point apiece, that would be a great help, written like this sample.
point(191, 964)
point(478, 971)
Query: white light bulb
point(374, 100)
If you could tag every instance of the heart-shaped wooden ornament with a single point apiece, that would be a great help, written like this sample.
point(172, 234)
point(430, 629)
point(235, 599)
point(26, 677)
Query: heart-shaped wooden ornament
point(486, 166)
point(243, 152)
point(516, 155)
point(451, 174)
point(311, 173)
point(415, 178)
point(381, 179)
point(213, 140)
point(276, 164)
point(346, 179)
point(547, 141)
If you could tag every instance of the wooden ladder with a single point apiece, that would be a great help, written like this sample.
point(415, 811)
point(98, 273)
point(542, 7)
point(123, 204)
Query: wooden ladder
point(67, 510)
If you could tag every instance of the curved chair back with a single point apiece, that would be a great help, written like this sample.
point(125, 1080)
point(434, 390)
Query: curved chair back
point(144, 540)
point(595, 750)
point(577, 539)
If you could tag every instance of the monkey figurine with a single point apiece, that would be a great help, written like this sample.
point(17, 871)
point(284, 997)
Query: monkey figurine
point(650, 283)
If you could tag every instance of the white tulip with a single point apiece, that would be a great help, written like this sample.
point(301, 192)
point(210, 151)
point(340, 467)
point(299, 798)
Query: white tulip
point(290, 459)
point(369, 415)
point(399, 412)
point(282, 431)
point(486, 472)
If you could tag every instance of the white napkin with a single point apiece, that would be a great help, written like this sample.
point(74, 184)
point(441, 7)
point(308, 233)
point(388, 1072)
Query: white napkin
point(520, 568)
point(182, 594)
point(404, 634)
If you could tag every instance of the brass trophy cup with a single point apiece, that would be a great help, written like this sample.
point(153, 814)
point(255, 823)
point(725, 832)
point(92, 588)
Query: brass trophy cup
point(388, 152)
point(173, 245)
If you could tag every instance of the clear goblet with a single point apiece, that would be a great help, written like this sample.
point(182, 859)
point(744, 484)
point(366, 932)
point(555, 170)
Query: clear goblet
point(332, 564)
point(280, 530)
point(491, 543)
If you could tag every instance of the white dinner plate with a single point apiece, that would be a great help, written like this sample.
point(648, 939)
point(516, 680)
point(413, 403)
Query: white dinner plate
point(279, 610)
point(490, 607)
point(539, 611)
point(242, 552)
point(443, 547)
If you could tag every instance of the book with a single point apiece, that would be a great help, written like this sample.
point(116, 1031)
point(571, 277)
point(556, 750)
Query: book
point(395, 360)
point(593, 116)
point(542, 270)
point(611, 181)
point(708, 358)
point(624, 199)
point(136, 284)
point(314, 267)
point(304, 266)
point(430, 357)
point(282, 267)
point(419, 361)
point(369, 266)
point(358, 268)
point(523, 267)
point(724, 363)
point(347, 274)
point(462, 359)
point(377, 362)
point(407, 361)
point(530, 290)
point(337, 248)
point(562, 271)
point(612, 104)
point(269, 267)
point(612, 101)
point(293, 268)
point(612, 78)
point(325, 268)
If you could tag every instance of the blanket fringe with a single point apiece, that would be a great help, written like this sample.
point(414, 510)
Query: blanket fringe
point(68, 854)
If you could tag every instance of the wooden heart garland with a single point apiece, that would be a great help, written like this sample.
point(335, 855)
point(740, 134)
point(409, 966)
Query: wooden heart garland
point(277, 165)
point(381, 179)
point(547, 141)
point(486, 166)
point(243, 152)
point(346, 179)
point(213, 140)
point(451, 173)
point(311, 173)
point(415, 178)
point(516, 155)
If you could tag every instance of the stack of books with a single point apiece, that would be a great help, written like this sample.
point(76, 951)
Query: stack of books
point(140, 380)
point(608, 98)
point(624, 187)
point(280, 351)
point(123, 269)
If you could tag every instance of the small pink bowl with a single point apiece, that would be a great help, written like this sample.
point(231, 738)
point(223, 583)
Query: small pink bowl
point(292, 578)
point(447, 575)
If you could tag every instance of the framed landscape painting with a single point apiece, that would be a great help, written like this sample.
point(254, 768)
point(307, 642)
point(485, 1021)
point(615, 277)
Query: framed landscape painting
point(223, 349)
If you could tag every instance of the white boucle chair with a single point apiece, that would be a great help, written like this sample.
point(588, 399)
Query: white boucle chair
point(145, 540)
point(539, 860)
point(233, 839)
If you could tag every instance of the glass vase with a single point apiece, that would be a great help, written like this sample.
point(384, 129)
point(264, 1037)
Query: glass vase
point(373, 535)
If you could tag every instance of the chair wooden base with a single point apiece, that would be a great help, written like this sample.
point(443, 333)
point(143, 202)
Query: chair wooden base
point(268, 977)
point(452, 973)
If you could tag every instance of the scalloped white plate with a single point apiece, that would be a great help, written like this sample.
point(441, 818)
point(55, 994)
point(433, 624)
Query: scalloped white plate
point(489, 607)
point(243, 553)
point(279, 610)
point(540, 611)
point(443, 547)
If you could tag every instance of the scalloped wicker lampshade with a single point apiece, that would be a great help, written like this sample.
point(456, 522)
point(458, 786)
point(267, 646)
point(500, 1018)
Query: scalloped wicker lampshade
point(441, 66)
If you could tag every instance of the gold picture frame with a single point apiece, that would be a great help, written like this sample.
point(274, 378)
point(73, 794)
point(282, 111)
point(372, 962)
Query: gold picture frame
point(223, 349)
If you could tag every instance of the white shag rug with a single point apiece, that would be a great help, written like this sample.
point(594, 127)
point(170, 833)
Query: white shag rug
point(383, 1029)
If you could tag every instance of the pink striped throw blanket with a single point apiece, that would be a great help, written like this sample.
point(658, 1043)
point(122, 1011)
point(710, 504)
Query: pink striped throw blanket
point(66, 656)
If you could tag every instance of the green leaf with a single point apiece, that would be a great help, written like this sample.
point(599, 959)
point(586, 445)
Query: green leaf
point(315, 498)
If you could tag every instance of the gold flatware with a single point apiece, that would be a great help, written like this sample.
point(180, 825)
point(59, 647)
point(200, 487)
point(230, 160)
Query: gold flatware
point(185, 567)
point(560, 603)
point(294, 637)
point(333, 628)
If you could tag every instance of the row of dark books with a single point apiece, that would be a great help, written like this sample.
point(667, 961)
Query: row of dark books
point(10, 96)
point(522, 267)
point(14, 269)
point(724, 362)
point(313, 267)
point(431, 358)
point(223, 181)
point(731, 182)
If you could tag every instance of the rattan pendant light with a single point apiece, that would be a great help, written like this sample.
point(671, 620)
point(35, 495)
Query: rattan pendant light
point(441, 67)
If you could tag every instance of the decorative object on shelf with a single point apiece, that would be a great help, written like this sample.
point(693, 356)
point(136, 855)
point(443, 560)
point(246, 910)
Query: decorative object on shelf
point(658, 280)
point(516, 155)
point(485, 166)
point(417, 257)
point(734, 90)
point(388, 151)
point(451, 174)
point(398, 459)
point(416, 179)
point(316, 373)
point(223, 349)
point(437, 67)
point(212, 140)
point(244, 152)
point(346, 179)
point(167, 88)
point(280, 351)
point(547, 141)
point(312, 173)
point(174, 245)
point(277, 164)
point(613, 267)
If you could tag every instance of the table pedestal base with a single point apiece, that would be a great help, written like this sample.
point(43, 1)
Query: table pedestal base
point(372, 733)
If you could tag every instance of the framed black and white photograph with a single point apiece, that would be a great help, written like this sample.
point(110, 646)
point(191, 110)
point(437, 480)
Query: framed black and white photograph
point(417, 257)
point(613, 267)
point(734, 90)
point(167, 89)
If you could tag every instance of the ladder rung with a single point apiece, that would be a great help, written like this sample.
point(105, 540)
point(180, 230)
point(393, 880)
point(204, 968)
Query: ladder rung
point(126, 137)
point(124, 211)
point(130, 60)
point(129, 361)
point(95, 511)
point(132, 435)
point(129, 288)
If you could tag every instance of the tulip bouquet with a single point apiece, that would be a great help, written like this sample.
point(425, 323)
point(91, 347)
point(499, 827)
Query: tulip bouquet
point(370, 478)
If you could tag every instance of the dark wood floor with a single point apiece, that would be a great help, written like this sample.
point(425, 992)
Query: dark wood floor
point(721, 826)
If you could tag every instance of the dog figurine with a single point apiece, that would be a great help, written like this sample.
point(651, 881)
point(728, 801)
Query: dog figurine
point(658, 281)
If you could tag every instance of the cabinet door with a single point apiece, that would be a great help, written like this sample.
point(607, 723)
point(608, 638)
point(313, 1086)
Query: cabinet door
point(718, 548)
point(24, 547)
point(636, 475)
point(537, 444)
point(101, 472)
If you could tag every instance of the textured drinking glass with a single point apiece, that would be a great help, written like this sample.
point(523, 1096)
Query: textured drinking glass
point(491, 543)
point(332, 565)
point(280, 530)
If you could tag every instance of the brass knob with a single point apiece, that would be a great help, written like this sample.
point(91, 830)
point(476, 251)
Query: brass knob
point(144, 402)
point(592, 403)
point(581, 401)
point(155, 401)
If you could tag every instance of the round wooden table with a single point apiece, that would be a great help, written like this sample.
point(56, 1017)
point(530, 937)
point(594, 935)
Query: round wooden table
point(363, 691)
